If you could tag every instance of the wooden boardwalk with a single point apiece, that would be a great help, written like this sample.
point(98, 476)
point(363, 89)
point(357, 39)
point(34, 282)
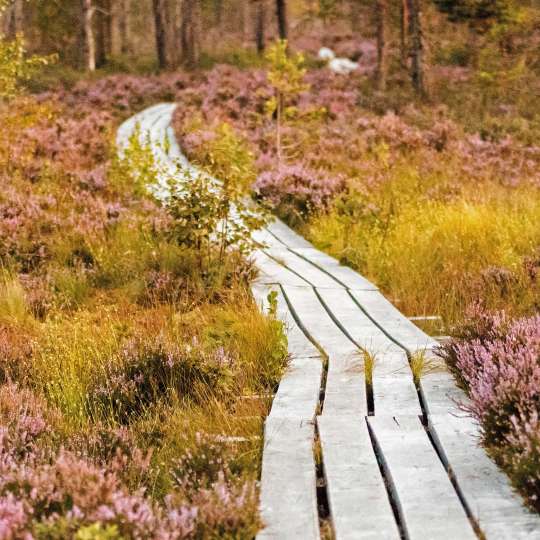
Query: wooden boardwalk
point(350, 432)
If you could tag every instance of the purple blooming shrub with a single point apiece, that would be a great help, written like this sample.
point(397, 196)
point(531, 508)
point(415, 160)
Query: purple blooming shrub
point(51, 492)
point(148, 371)
point(296, 191)
point(497, 360)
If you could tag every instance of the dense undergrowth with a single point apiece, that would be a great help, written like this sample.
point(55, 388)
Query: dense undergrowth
point(437, 204)
point(438, 217)
point(126, 356)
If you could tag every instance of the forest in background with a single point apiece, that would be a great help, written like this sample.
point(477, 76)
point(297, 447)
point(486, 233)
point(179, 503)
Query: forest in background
point(497, 39)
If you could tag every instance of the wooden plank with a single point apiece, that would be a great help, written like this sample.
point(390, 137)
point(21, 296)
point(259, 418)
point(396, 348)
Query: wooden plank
point(144, 120)
point(358, 499)
point(429, 505)
point(388, 317)
point(394, 391)
point(439, 390)
point(345, 275)
point(308, 271)
point(270, 271)
point(298, 344)
point(299, 388)
point(266, 239)
point(345, 384)
point(487, 492)
point(286, 235)
point(288, 481)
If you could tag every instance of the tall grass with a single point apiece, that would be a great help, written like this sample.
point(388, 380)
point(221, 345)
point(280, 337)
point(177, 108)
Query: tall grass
point(13, 305)
point(434, 257)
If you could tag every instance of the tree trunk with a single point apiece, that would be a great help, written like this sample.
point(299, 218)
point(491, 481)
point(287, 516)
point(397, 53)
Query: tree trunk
point(404, 32)
point(13, 19)
point(123, 26)
point(260, 16)
point(88, 10)
point(354, 15)
point(103, 32)
point(281, 12)
point(158, 8)
point(190, 33)
point(246, 23)
point(382, 43)
point(173, 31)
point(417, 46)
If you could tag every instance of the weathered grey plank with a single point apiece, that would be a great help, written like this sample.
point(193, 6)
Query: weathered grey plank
point(286, 235)
point(345, 383)
point(496, 508)
point(394, 391)
point(299, 388)
point(308, 271)
point(298, 344)
point(270, 271)
point(399, 327)
point(429, 504)
point(345, 275)
point(288, 481)
point(358, 499)
point(439, 390)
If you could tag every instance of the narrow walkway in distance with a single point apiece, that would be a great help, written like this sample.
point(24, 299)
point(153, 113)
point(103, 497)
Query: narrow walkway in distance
point(400, 459)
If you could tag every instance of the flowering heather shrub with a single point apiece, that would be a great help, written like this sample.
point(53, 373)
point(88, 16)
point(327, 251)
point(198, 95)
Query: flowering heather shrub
point(150, 371)
point(497, 360)
point(57, 493)
point(296, 191)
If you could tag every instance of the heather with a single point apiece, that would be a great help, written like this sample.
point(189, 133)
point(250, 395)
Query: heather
point(128, 358)
point(401, 196)
point(497, 361)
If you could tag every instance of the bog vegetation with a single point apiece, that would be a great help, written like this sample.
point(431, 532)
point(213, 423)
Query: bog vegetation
point(128, 339)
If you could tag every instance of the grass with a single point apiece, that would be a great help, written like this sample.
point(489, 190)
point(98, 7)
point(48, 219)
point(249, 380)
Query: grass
point(421, 365)
point(13, 305)
point(437, 257)
point(370, 360)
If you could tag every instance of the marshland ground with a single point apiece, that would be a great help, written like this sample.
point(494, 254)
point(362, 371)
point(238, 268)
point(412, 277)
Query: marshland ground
point(134, 363)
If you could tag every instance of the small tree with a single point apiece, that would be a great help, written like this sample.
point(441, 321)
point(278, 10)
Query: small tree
point(286, 75)
point(16, 67)
point(213, 214)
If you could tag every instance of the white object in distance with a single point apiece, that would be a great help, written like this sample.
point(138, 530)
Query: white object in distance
point(326, 54)
point(342, 65)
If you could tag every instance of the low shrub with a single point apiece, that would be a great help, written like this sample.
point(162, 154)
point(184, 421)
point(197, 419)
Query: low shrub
point(147, 372)
point(295, 192)
point(497, 360)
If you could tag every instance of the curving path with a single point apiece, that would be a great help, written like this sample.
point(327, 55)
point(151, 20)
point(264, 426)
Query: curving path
point(387, 458)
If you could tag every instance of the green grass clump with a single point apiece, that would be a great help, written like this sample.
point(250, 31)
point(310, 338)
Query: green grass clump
point(13, 304)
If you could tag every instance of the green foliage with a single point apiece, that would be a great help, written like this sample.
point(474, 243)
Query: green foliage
point(230, 159)
point(97, 531)
point(16, 67)
point(286, 76)
point(213, 215)
point(476, 10)
point(134, 168)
